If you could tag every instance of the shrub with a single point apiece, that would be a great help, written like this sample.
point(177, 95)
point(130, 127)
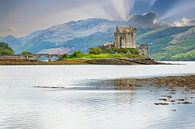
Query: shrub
point(128, 51)
point(77, 54)
point(96, 51)
point(64, 56)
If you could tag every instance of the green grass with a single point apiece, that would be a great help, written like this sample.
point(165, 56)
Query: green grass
point(104, 56)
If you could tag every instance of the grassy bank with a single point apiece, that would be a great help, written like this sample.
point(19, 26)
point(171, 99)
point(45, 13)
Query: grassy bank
point(79, 55)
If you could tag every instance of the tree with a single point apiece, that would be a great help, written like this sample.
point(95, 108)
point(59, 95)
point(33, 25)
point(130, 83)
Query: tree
point(26, 53)
point(77, 54)
point(5, 49)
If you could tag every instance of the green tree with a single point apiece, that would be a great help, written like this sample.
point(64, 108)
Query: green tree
point(5, 49)
point(77, 54)
point(26, 53)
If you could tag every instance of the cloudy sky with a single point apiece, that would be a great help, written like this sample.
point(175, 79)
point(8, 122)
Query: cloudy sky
point(21, 17)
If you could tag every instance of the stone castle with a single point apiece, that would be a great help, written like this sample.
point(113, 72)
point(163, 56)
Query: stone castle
point(125, 37)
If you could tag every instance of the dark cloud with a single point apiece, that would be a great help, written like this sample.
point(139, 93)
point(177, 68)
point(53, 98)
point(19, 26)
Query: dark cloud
point(147, 19)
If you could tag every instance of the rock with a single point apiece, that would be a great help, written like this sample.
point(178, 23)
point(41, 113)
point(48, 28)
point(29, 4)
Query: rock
point(163, 99)
point(172, 101)
point(180, 99)
point(169, 96)
point(161, 103)
point(184, 102)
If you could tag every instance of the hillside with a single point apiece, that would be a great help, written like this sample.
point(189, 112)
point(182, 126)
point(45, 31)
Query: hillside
point(13, 42)
point(180, 46)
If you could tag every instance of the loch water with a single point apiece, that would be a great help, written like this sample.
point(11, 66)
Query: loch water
point(79, 97)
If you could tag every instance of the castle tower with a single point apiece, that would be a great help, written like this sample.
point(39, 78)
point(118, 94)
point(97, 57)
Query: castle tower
point(125, 37)
point(117, 36)
point(143, 50)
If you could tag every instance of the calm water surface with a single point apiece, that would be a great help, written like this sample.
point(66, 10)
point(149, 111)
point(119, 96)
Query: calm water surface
point(75, 104)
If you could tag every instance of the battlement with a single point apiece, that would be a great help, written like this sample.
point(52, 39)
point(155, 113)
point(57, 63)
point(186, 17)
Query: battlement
point(125, 30)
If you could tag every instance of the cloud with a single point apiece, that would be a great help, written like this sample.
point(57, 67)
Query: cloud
point(185, 22)
point(12, 29)
point(7, 31)
point(146, 19)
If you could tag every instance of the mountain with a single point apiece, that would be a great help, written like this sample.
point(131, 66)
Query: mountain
point(30, 36)
point(72, 35)
point(160, 38)
point(180, 46)
point(13, 42)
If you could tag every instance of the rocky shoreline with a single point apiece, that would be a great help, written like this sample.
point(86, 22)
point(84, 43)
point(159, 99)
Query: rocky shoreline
point(171, 85)
point(144, 61)
point(187, 82)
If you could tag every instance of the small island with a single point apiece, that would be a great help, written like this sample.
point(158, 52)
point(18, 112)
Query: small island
point(124, 51)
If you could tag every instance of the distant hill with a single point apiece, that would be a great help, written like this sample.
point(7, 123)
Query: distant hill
point(174, 43)
point(12, 41)
point(165, 42)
